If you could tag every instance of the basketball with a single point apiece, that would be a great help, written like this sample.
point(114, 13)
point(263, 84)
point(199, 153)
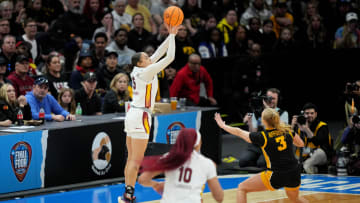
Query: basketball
point(173, 16)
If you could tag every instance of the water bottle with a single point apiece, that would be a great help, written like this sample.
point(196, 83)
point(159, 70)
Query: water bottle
point(342, 162)
point(78, 109)
point(42, 115)
point(20, 118)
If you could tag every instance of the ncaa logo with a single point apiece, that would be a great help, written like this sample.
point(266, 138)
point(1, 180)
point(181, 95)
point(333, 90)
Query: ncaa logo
point(101, 154)
point(20, 156)
point(173, 131)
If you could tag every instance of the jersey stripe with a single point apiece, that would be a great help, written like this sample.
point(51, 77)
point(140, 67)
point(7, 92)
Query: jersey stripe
point(267, 159)
point(265, 177)
point(148, 96)
point(146, 123)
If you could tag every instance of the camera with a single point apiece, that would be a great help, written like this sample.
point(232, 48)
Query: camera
point(256, 102)
point(355, 119)
point(301, 119)
point(351, 87)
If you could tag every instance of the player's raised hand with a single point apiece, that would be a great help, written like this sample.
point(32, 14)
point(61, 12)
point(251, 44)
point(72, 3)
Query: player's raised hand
point(219, 120)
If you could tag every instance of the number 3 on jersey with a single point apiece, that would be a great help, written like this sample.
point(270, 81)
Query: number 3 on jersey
point(281, 141)
point(185, 175)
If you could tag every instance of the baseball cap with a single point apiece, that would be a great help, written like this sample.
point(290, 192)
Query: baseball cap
point(41, 81)
point(111, 52)
point(19, 43)
point(85, 53)
point(90, 76)
point(351, 16)
point(2, 61)
point(22, 58)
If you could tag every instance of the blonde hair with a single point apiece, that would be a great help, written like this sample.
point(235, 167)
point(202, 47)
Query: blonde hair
point(4, 96)
point(72, 106)
point(272, 119)
point(112, 86)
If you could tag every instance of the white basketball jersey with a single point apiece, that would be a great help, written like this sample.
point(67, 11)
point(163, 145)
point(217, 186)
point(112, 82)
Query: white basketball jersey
point(184, 184)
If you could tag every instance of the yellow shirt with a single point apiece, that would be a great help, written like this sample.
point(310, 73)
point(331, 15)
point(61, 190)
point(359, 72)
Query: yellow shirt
point(277, 27)
point(144, 11)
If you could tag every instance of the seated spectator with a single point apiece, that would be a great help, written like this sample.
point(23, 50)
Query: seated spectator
point(138, 36)
point(117, 95)
point(134, 7)
point(202, 33)
point(10, 106)
point(106, 73)
point(188, 81)
point(93, 12)
point(6, 12)
point(281, 17)
point(98, 50)
point(120, 46)
point(316, 136)
point(348, 36)
point(72, 51)
point(121, 19)
point(268, 37)
point(254, 33)
point(20, 79)
point(39, 98)
point(213, 46)
point(159, 37)
point(256, 9)
point(57, 79)
point(107, 27)
point(30, 28)
point(35, 11)
point(66, 99)
point(157, 10)
point(286, 42)
point(89, 101)
point(184, 47)
point(85, 64)
point(4, 28)
point(8, 51)
point(3, 66)
point(24, 48)
point(228, 25)
point(193, 15)
point(239, 43)
point(317, 36)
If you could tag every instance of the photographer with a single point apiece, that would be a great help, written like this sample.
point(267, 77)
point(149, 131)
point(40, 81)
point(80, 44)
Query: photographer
point(253, 155)
point(315, 134)
point(352, 100)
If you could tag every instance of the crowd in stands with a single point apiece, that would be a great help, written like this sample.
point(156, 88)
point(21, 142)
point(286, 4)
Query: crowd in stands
point(57, 55)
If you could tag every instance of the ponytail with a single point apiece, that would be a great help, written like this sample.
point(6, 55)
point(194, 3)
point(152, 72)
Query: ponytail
point(272, 118)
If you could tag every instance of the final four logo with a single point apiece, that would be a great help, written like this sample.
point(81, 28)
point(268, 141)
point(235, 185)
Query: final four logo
point(173, 131)
point(20, 156)
point(101, 154)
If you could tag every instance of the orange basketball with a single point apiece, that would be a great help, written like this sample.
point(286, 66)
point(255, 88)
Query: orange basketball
point(173, 16)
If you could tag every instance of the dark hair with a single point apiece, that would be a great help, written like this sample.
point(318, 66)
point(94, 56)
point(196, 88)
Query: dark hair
point(101, 34)
point(310, 106)
point(254, 18)
point(177, 156)
point(29, 20)
point(267, 22)
point(88, 13)
point(274, 90)
point(120, 29)
point(135, 58)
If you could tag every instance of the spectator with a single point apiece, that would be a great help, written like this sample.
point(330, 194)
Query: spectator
point(8, 51)
point(317, 36)
point(157, 10)
point(213, 46)
point(134, 7)
point(89, 101)
point(239, 43)
point(227, 25)
point(254, 33)
point(107, 27)
point(93, 11)
point(268, 37)
point(4, 28)
point(85, 64)
point(348, 36)
point(72, 51)
point(315, 134)
point(10, 106)
point(66, 99)
point(3, 66)
point(192, 16)
point(71, 23)
point(107, 72)
point(30, 28)
point(6, 12)
point(184, 47)
point(286, 42)
point(119, 45)
point(57, 79)
point(121, 19)
point(202, 33)
point(351, 136)
point(39, 98)
point(281, 18)
point(159, 37)
point(222, 7)
point(98, 51)
point(19, 78)
point(35, 11)
point(117, 95)
point(256, 9)
point(138, 36)
point(52, 9)
point(187, 83)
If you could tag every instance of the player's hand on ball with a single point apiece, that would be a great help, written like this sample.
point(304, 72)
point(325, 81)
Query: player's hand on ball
point(219, 120)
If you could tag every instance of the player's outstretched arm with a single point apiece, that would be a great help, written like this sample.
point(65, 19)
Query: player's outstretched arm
point(234, 131)
point(161, 50)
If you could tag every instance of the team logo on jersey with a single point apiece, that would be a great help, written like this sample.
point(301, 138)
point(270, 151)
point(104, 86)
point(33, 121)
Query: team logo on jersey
point(173, 131)
point(101, 154)
point(20, 156)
